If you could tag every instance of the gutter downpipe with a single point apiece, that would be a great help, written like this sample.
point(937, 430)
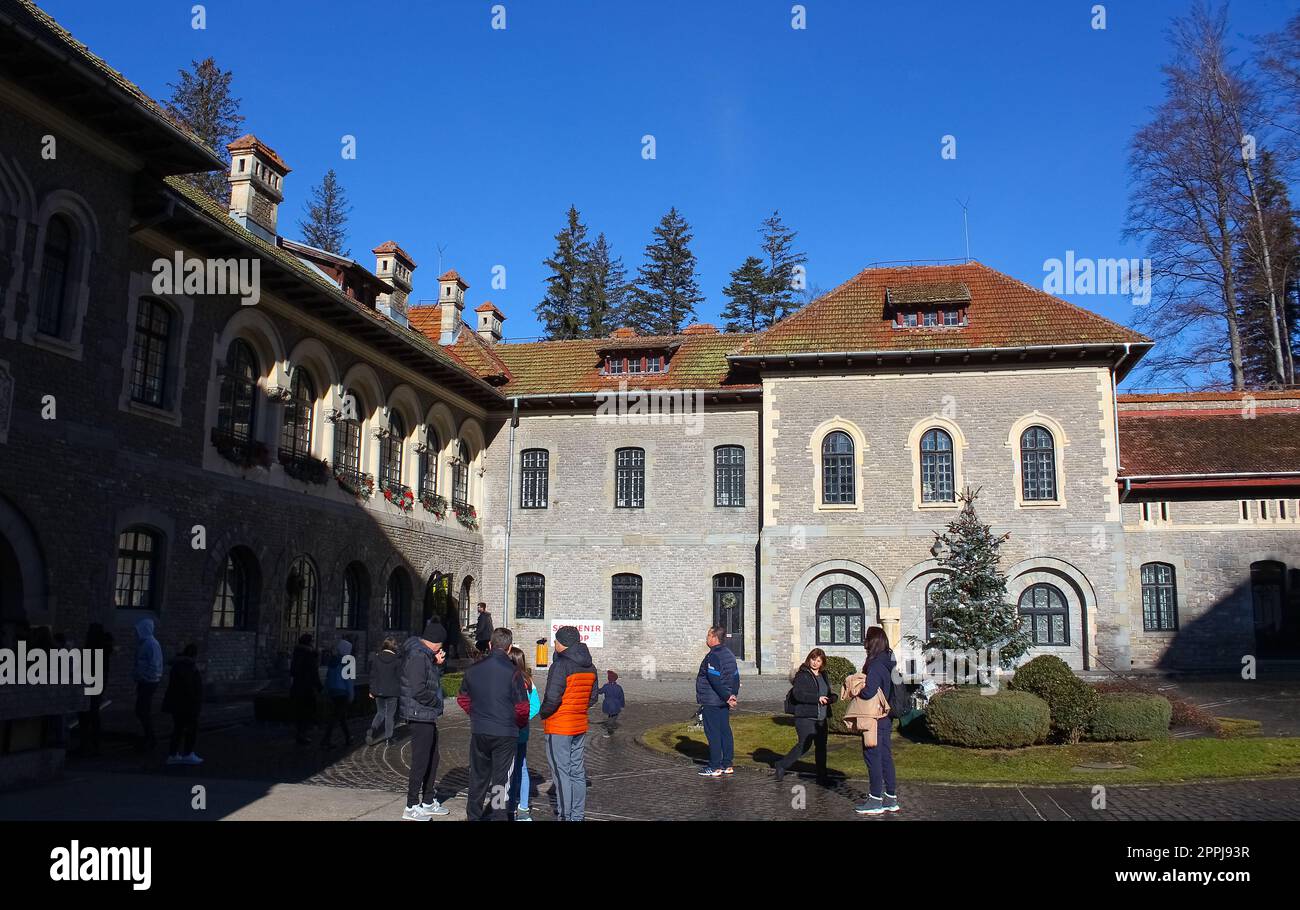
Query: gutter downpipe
point(510, 502)
point(1114, 405)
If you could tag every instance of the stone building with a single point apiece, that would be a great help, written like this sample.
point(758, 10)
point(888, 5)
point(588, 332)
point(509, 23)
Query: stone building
point(250, 438)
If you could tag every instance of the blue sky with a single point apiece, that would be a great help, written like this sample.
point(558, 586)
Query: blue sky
point(479, 139)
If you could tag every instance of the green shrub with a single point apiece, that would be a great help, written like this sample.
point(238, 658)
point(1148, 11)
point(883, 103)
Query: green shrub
point(1130, 716)
point(1186, 713)
point(1070, 700)
point(837, 668)
point(451, 684)
point(1007, 720)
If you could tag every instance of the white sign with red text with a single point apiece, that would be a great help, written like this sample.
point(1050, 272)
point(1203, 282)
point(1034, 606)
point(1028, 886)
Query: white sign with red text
point(591, 630)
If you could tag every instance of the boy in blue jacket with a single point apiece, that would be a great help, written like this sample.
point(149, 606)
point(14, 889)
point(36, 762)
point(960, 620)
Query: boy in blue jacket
point(614, 702)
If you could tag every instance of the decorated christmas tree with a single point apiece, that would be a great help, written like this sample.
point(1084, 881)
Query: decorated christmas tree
point(969, 609)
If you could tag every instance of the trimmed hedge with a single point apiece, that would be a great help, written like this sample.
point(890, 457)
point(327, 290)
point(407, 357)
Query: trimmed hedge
point(1007, 720)
point(1130, 716)
point(1070, 700)
point(837, 668)
point(451, 684)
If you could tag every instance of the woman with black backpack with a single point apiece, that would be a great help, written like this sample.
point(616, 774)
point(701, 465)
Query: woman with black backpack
point(809, 700)
point(879, 670)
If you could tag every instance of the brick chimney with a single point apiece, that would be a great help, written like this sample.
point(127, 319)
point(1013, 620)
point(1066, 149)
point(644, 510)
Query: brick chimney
point(394, 265)
point(489, 322)
point(451, 297)
point(256, 185)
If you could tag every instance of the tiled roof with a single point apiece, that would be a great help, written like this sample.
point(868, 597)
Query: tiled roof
point(699, 362)
point(1185, 442)
point(452, 275)
point(471, 351)
point(390, 246)
point(1002, 313)
point(249, 141)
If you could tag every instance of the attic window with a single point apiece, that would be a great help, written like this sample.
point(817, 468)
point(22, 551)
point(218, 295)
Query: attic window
point(930, 317)
point(635, 362)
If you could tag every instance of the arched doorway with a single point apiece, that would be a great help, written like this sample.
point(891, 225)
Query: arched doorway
point(22, 576)
point(1277, 610)
point(467, 601)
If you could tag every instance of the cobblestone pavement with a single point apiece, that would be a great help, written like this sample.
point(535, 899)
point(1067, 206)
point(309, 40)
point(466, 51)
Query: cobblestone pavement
point(630, 781)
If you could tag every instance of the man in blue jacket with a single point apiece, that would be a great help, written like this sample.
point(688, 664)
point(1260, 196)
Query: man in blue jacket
point(492, 694)
point(716, 688)
point(147, 673)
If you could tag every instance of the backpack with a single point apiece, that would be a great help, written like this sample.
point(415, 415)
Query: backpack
point(900, 699)
point(789, 701)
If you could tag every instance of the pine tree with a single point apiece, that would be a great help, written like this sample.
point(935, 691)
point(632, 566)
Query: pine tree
point(327, 216)
point(745, 297)
point(969, 606)
point(201, 100)
point(668, 289)
point(560, 311)
point(780, 293)
point(603, 290)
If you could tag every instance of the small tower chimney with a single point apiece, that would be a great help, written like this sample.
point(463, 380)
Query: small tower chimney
point(451, 297)
point(256, 185)
point(394, 265)
point(489, 322)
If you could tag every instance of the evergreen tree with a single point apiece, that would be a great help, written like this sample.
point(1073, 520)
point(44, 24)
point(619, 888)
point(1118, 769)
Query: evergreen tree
point(560, 311)
point(745, 297)
point(327, 216)
point(780, 294)
point(201, 100)
point(668, 289)
point(603, 290)
point(969, 606)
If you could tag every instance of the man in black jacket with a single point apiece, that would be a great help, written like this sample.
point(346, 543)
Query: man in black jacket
point(483, 629)
point(420, 705)
point(385, 687)
point(305, 682)
point(492, 694)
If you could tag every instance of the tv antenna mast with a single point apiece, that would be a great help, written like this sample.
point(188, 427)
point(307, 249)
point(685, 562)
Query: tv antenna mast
point(965, 223)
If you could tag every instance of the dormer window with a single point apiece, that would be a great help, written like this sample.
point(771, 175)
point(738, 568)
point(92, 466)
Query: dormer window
point(930, 318)
point(634, 362)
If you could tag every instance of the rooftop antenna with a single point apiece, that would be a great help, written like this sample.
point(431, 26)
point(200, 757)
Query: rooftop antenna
point(441, 247)
point(965, 223)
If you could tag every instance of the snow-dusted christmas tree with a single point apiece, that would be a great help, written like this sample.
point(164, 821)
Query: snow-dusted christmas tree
point(969, 609)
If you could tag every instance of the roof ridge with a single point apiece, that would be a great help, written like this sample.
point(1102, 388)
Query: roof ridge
point(1078, 309)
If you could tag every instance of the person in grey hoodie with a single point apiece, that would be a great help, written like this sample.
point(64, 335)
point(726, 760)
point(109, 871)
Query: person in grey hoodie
point(385, 687)
point(147, 673)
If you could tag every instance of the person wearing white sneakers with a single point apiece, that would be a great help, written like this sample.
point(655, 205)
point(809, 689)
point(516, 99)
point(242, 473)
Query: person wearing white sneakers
point(420, 705)
point(182, 701)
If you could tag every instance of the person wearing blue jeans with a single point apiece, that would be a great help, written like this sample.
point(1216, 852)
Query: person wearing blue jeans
point(879, 670)
point(716, 687)
point(517, 807)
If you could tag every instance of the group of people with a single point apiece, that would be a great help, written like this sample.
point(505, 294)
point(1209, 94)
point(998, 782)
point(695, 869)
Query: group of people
point(717, 688)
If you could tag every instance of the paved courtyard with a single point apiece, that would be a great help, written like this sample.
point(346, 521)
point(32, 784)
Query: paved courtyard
point(256, 771)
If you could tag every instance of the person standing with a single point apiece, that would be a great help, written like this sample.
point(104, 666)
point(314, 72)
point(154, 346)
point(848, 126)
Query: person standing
point(811, 697)
point(385, 688)
point(182, 701)
point(304, 683)
point(420, 705)
point(340, 687)
point(97, 639)
point(570, 693)
point(879, 670)
point(614, 702)
point(492, 694)
point(519, 781)
point(483, 629)
point(147, 673)
point(716, 686)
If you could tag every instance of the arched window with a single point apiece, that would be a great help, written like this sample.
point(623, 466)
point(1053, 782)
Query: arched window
point(530, 595)
point(153, 333)
point(237, 407)
point(626, 590)
point(1159, 598)
point(937, 483)
point(303, 591)
point(232, 606)
point(429, 463)
point(533, 481)
point(929, 607)
point(1045, 614)
point(356, 597)
point(629, 478)
point(139, 551)
point(397, 600)
point(837, 468)
point(295, 435)
point(390, 451)
point(841, 618)
point(729, 476)
point(347, 436)
point(1038, 464)
point(56, 264)
point(460, 475)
